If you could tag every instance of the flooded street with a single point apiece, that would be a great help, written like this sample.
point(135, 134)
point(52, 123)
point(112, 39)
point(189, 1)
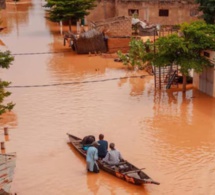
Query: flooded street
point(56, 91)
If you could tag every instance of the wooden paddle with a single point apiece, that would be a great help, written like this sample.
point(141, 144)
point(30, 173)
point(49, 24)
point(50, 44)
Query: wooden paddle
point(133, 171)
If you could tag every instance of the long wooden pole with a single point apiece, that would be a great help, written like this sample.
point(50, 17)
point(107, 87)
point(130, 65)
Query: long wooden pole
point(134, 171)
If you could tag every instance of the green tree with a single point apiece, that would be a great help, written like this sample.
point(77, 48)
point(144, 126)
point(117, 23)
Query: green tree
point(5, 62)
point(184, 50)
point(208, 9)
point(68, 10)
point(176, 50)
point(136, 55)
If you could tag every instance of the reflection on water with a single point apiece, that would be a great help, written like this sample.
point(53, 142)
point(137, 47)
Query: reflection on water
point(8, 119)
point(15, 17)
point(171, 134)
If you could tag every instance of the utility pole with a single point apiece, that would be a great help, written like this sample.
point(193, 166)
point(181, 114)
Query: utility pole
point(105, 13)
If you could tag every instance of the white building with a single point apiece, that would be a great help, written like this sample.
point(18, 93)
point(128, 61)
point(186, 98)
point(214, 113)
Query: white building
point(205, 81)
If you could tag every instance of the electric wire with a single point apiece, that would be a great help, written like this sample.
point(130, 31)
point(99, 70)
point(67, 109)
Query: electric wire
point(74, 83)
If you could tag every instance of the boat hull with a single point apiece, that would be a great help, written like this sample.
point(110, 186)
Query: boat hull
point(129, 172)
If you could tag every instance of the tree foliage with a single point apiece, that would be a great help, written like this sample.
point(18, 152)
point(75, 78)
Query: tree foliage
point(199, 34)
point(176, 50)
point(137, 53)
point(5, 62)
point(67, 10)
point(183, 50)
point(208, 9)
point(186, 50)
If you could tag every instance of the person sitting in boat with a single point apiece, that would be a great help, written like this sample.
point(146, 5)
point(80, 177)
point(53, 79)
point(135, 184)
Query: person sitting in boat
point(113, 157)
point(87, 140)
point(92, 157)
point(103, 147)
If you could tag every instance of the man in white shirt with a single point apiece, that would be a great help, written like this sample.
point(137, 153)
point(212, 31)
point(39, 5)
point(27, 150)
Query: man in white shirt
point(113, 157)
point(92, 157)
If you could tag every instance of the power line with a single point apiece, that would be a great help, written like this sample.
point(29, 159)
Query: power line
point(59, 52)
point(39, 53)
point(74, 83)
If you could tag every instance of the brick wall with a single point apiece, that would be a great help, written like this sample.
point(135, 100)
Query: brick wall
point(115, 27)
point(116, 44)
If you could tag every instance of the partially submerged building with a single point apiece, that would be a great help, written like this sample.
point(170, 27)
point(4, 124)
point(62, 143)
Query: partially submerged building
point(163, 12)
point(205, 81)
point(113, 19)
point(116, 30)
point(91, 41)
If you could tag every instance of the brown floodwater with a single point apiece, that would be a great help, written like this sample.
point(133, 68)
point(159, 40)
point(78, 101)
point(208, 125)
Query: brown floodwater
point(169, 133)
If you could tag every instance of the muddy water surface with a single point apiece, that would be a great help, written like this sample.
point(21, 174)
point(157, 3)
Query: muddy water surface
point(170, 134)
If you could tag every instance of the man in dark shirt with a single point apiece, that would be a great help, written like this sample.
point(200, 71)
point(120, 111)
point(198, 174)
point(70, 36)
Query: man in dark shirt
point(103, 147)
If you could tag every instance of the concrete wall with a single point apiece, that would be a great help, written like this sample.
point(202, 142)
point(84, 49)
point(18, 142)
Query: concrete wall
point(205, 81)
point(178, 12)
point(105, 9)
point(116, 44)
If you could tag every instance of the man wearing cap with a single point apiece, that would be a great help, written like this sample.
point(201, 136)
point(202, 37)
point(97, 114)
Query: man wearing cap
point(92, 156)
point(113, 157)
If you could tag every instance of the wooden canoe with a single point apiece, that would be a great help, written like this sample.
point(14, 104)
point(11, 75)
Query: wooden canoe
point(124, 170)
